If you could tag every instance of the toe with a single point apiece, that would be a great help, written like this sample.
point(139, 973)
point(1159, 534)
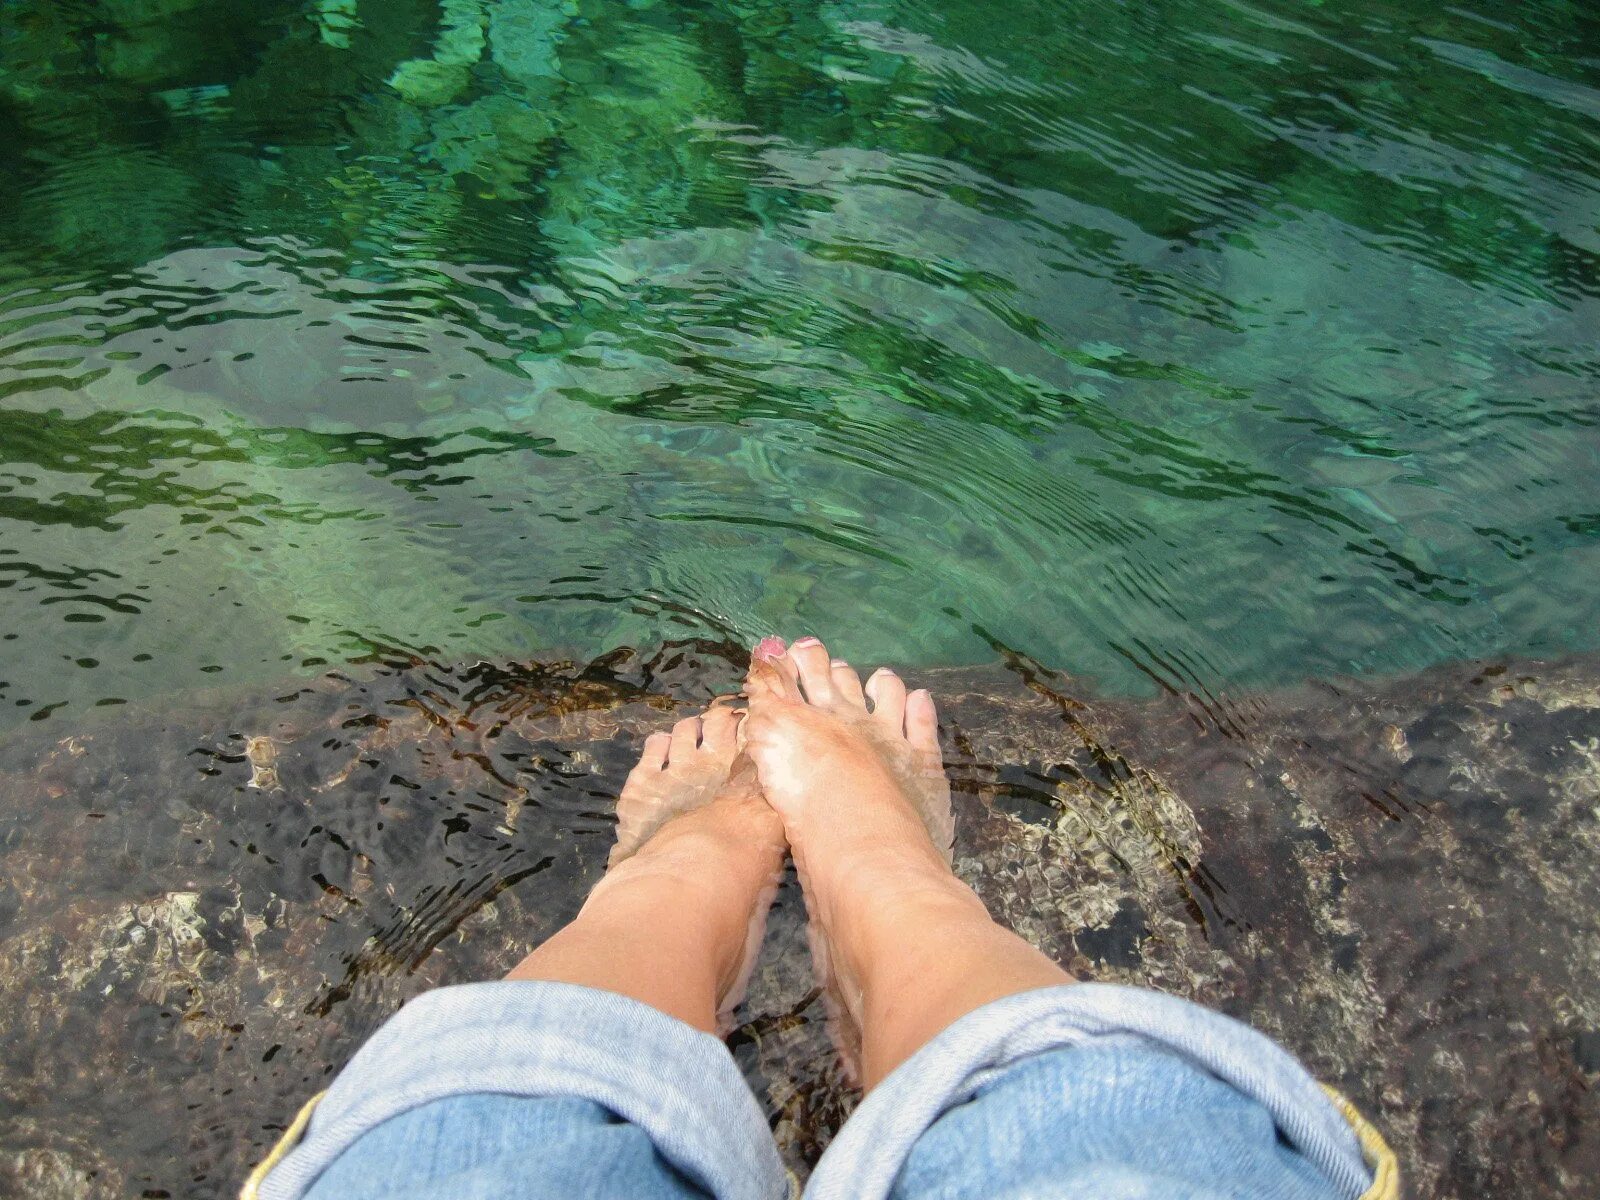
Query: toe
point(771, 677)
point(685, 739)
point(811, 660)
point(888, 695)
point(922, 721)
point(847, 684)
point(652, 758)
point(719, 729)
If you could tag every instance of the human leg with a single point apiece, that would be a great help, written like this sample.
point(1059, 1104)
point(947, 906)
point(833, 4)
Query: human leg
point(988, 1072)
point(677, 919)
point(855, 774)
point(589, 1070)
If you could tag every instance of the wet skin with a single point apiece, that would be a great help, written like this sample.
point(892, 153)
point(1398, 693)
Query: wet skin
point(850, 777)
point(678, 917)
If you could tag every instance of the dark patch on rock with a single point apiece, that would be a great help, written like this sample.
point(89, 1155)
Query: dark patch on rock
point(1586, 1049)
point(1116, 943)
point(1347, 952)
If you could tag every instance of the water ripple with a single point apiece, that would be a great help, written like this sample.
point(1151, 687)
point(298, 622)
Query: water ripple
point(1192, 351)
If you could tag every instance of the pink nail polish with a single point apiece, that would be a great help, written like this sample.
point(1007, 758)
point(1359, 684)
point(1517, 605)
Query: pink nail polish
point(808, 641)
point(769, 647)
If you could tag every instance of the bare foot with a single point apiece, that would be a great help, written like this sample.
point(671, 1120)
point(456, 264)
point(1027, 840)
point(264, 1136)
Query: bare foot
point(863, 797)
point(693, 830)
point(676, 773)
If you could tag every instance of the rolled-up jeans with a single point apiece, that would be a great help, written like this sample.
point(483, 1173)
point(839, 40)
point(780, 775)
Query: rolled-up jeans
point(494, 1091)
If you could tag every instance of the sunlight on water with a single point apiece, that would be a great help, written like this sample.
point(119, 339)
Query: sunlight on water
point(1189, 345)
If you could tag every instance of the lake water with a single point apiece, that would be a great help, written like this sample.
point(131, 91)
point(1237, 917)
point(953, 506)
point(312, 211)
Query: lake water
point(1192, 345)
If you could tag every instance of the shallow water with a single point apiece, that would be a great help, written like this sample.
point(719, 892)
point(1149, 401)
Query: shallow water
point(1190, 345)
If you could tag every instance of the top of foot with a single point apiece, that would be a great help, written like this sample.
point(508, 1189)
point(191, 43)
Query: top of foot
point(678, 772)
point(830, 750)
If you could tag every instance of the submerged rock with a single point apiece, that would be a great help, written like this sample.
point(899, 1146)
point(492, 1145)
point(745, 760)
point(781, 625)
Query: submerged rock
point(205, 909)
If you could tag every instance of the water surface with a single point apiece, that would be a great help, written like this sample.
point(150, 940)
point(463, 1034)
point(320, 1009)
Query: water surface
point(1200, 345)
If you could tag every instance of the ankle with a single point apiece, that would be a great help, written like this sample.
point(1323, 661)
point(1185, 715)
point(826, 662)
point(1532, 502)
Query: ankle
point(865, 863)
point(874, 908)
point(728, 832)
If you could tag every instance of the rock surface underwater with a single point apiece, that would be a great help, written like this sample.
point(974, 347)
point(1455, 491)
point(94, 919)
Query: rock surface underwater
point(207, 906)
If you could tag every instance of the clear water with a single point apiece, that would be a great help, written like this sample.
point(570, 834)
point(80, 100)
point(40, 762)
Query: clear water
point(1201, 344)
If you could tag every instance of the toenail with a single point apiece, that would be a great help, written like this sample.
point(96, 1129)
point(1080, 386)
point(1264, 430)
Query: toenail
point(838, 662)
point(808, 641)
point(770, 647)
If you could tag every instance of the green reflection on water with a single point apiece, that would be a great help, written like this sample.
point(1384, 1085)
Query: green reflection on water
point(1200, 344)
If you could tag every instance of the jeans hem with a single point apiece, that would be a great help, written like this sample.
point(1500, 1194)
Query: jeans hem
point(537, 1039)
point(865, 1159)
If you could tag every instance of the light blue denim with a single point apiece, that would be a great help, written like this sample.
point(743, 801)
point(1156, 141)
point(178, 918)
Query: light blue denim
point(531, 1091)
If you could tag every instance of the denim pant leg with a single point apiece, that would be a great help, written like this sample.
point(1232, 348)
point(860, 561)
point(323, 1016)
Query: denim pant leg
point(1096, 1090)
point(1116, 1118)
point(519, 1089)
point(492, 1147)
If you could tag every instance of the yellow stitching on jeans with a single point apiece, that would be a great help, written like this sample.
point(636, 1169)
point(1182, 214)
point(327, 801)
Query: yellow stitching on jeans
point(285, 1144)
point(1385, 1166)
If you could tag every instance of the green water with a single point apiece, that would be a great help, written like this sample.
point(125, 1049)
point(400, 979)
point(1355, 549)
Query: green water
point(1196, 343)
